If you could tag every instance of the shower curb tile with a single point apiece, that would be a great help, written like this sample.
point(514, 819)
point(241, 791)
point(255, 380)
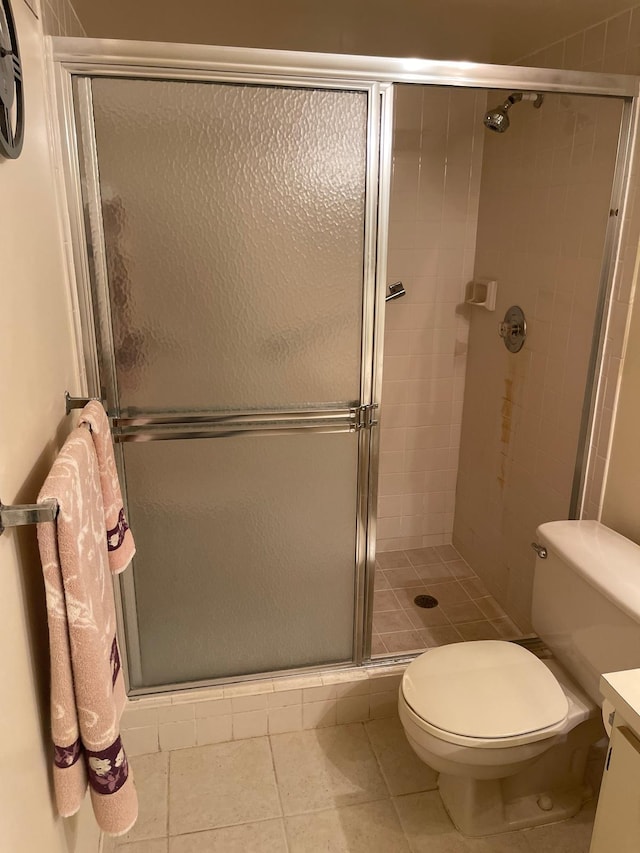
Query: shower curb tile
point(214, 730)
point(143, 741)
point(212, 708)
point(385, 669)
point(388, 682)
point(176, 713)
point(284, 698)
point(316, 715)
point(383, 705)
point(352, 709)
point(250, 689)
point(177, 735)
point(353, 688)
point(255, 702)
point(318, 694)
point(250, 724)
point(348, 676)
point(154, 701)
point(202, 694)
point(296, 682)
point(288, 719)
point(213, 716)
point(137, 718)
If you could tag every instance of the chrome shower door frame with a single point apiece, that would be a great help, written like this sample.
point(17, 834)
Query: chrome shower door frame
point(86, 58)
point(98, 349)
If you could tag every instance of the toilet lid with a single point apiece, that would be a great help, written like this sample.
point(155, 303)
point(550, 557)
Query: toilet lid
point(484, 689)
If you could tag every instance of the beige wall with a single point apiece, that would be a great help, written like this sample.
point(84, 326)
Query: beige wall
point(38, 358)
point(621, 509)
point(488, 31)
point(544, 207)
point(437, 153)
point(613, 45)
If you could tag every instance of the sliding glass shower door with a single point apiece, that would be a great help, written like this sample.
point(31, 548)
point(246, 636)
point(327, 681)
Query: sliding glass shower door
point(232, 259)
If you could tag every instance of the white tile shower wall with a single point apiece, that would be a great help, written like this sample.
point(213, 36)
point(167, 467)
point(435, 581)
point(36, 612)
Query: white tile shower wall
point(612, 46)
point(253, 709)
point(544, 208)
point(59, 18)
point(437, 154)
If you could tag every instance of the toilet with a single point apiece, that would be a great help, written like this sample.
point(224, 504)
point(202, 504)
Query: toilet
point(509, 732)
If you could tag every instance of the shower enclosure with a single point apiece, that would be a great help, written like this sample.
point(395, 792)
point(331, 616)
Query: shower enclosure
point(230, 218)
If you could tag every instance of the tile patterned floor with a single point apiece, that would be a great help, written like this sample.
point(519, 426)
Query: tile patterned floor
point(345, 789)
point(465, 609)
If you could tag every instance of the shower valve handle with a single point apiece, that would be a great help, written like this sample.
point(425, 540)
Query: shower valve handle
point(509, 330)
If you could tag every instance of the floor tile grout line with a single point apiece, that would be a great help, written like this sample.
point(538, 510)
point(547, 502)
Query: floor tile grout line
point(398, 815)
point(378, 762)
point(280, 803)
point(169, 762)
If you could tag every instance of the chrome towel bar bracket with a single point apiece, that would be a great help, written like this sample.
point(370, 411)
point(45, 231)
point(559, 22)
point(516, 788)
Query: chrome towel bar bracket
point(20, 514)
point(16, 516)
point(77, 402)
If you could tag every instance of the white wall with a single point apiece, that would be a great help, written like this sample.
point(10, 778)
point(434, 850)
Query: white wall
point(38, 365)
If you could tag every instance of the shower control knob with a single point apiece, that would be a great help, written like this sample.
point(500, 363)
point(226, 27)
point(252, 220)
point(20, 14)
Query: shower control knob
point(513, 329)
point(509, 329)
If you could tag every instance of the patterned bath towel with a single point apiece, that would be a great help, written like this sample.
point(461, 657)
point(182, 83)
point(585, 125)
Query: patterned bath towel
point(87, 685)
point(120, 540)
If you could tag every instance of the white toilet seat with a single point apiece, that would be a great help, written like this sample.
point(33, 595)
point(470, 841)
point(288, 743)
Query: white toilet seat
point(477, 742)
point(486, 694)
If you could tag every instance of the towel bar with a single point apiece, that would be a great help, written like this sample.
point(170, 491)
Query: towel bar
point(19, 514)
point(77, 402)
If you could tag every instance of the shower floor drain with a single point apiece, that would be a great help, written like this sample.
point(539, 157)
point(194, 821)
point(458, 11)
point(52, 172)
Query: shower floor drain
point(425, 601)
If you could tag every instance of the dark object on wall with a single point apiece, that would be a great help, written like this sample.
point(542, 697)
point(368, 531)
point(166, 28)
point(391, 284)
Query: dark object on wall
point(11, 87)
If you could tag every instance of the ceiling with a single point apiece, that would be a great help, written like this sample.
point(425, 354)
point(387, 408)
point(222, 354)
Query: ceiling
point(477, 30)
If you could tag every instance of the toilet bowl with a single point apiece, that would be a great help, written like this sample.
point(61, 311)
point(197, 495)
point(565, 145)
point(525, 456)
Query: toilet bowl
point(485, 709)
point(508, 732)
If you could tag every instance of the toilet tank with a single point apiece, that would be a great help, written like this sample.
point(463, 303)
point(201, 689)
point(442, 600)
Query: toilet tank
point(586, 599)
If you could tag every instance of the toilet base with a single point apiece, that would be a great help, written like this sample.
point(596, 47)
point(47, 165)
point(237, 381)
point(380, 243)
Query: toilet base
point(549, 790)
point(477, 808)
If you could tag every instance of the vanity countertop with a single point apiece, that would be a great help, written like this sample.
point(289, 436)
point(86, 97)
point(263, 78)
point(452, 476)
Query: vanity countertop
point(622, 689)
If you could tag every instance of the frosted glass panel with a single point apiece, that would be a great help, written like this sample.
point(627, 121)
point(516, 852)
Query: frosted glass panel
point(246, 553)
point(234, 222)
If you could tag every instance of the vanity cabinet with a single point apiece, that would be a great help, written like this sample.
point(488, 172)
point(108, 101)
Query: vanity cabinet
point(617, 823)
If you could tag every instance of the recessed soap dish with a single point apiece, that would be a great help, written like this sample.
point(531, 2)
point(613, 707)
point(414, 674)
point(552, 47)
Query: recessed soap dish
point(482, 292)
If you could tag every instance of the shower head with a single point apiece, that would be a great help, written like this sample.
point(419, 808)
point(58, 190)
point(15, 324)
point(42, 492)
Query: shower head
point(498, 118)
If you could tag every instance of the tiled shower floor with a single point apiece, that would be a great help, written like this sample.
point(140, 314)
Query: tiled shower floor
point(465, 610)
